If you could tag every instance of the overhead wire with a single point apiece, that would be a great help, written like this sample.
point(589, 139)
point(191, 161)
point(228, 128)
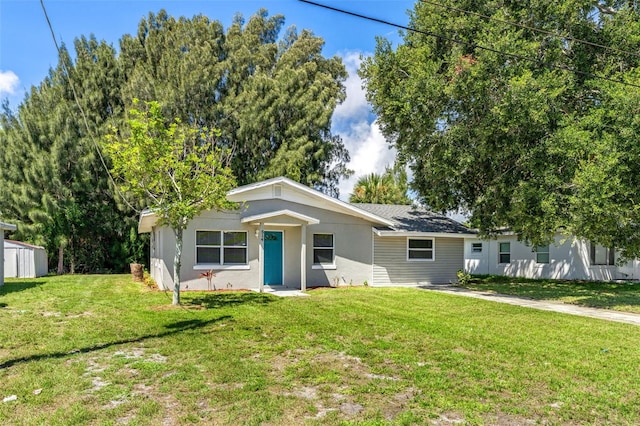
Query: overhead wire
point(82, 113)
point(472, 45)
point(528, 27)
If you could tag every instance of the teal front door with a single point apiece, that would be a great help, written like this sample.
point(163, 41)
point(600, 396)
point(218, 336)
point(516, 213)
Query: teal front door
point(273, 257)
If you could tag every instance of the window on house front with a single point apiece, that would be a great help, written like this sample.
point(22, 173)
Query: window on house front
point(504, 253)
point(476, 248)
point(234, 249)
point(542, 254)
point(600, 255)
point(323, 249)
point(420, 249)
point(221, 247)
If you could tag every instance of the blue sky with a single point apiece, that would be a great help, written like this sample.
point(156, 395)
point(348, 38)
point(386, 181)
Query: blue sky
point(27, 50)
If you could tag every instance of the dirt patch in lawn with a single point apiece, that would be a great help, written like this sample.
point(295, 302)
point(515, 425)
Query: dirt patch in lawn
point(337, 390)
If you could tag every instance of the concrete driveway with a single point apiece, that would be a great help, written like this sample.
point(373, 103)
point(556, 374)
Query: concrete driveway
point(564, 308)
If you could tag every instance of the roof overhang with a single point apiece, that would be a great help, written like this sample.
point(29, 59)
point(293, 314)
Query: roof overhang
point(415, 234)
point(148, 220)
point(281, 217)
point(7, 226)
point(24, 245)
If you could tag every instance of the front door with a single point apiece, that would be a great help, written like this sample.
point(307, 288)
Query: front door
point(273, 257)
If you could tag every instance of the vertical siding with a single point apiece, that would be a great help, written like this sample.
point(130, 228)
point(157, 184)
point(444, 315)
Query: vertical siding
point(391, 265)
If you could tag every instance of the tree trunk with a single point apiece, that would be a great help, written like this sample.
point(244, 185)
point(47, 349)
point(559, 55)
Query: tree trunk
point(60, 260)
point(72, 260)
point(177, 263)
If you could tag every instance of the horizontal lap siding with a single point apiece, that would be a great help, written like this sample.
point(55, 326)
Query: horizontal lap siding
point(391, 265)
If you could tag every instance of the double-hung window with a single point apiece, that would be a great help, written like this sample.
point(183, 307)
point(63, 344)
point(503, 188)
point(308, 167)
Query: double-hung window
point(323, 249)
point(542, 254)
point(476, 247)
point(221, 247)
point(504, 253)
point(420, 249)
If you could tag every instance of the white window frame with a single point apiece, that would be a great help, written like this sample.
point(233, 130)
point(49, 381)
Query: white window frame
point(432, 249)
point(610, 256)
point(476, 247)
point(331, 265)
point(546, 250)
point(221, 246)
point(500, 253)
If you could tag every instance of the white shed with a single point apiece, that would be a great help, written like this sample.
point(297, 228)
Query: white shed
point(4, 227)
point(22, 260)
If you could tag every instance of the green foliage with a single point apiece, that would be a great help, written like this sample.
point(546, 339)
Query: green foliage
point(271, 96)
point(389, 187)
point(464, 278)
point(53, 183)
point(177, 169)
point(518, 143)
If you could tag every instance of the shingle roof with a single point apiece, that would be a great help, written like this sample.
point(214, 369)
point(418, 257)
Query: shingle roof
point(414, 219)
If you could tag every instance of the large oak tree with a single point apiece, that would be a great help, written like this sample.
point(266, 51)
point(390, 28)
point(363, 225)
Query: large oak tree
point(516, 125)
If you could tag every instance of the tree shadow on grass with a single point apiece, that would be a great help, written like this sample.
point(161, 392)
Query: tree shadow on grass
point(594, 294)
point(16, 286)
point(173, 328)
point(228, 299)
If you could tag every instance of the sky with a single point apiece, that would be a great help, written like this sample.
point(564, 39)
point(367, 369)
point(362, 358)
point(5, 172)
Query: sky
point(27, 50)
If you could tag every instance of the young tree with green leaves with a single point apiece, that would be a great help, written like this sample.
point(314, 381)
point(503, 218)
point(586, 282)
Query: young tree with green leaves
point(178, 168)
point(501, 109)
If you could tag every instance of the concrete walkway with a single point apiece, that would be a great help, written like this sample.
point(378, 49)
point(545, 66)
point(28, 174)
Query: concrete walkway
point(282, 291)
point(564, 308)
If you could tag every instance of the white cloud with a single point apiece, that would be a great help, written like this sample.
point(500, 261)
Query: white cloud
point(8, 82)
point(355, 107)
point(355, 123)
point(369, 151)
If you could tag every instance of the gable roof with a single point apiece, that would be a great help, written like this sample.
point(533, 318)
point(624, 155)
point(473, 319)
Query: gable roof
point(284, 189)
point(293, 191)
point(409, 220)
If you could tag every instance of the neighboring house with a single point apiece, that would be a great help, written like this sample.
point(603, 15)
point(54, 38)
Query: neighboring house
point(285, 233)
point(4, 227)
point(566, 258)
point(22, 260)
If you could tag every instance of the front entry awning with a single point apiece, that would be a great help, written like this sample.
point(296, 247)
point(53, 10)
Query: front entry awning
point(282, 218)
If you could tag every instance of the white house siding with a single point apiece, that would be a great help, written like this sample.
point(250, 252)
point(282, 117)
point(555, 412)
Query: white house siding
point(352, 244)
point(569, 258)
point(390, 264)
point(352, 241)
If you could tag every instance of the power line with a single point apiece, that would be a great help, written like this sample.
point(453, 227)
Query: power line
point(472, 45)
point(517, 24)
point(82, 113)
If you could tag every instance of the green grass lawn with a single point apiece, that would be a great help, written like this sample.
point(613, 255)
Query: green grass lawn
point(619, 296)
point(102, 350)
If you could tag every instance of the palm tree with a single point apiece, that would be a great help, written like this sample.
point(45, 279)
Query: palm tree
point(387, 188)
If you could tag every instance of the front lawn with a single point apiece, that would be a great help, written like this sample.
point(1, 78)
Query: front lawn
point(619, 296)
point(102, 350)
